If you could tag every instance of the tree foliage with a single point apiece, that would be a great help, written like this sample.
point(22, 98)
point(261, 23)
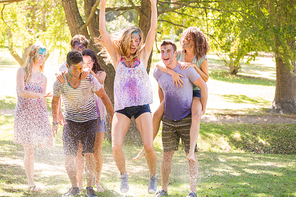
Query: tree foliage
point(22, 23)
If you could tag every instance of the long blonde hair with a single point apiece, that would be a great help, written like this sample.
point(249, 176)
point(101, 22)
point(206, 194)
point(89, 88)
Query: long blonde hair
point(31, 59)
point(122, 43)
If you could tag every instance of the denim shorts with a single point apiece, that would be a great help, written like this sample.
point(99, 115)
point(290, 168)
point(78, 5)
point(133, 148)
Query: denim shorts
point(135, 111)
point(173, 131)
point(75, 131)
point(101, 125)
point(196, 93)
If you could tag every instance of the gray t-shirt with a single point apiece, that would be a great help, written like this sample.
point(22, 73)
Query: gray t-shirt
point(177, 101)
point(79, 102)
point(181, 58)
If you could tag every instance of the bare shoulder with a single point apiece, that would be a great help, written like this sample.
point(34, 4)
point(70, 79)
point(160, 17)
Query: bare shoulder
point(21, 70)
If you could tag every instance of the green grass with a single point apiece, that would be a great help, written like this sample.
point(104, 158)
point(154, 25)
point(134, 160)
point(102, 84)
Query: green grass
point(224, 76)
point(9, 102)
point(244, 99)
point(231, 163)
point(255, 138)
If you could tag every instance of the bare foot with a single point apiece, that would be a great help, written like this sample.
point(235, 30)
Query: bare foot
point(34, 188)
point(191, 157)
point(140, 155)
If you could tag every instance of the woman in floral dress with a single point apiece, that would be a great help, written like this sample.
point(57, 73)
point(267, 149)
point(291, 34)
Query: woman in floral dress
point(31, 124)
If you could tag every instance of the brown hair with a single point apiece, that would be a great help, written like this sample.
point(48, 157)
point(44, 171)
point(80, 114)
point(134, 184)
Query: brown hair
point(201, 46)
point(31, 59)
point(169, 42)
point(79, 38)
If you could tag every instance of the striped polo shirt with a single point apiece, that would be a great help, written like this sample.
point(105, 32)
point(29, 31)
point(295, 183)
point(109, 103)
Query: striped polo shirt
point(79, 102)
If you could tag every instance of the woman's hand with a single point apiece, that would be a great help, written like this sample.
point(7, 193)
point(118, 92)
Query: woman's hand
point(54, 130)
point(153, 2)
point(103, 2)
point(187, 65)
point(84, 73)
point(42, 96)
point(60, 77)
point(177, 79)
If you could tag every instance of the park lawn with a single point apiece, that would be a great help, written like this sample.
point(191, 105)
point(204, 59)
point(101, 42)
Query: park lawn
point(230, 164)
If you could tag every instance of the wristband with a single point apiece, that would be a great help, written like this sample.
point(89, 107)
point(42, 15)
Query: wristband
point(55, 123)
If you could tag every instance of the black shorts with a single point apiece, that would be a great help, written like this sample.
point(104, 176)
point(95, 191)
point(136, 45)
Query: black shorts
point(196, 93)
point(75, 131)
point(135, 111)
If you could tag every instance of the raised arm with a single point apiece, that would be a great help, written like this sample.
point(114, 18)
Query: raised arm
point(176, 76)
point(105, 35)
point(151, 34)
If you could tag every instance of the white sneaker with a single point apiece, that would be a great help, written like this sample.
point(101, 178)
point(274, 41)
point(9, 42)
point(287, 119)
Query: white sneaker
point(124, 183)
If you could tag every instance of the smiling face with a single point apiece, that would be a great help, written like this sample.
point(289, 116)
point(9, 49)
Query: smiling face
point(187, 41)
point(40, 56)
point(135, 42)
point(88, 62)
point(168, 55)
point(75, 70)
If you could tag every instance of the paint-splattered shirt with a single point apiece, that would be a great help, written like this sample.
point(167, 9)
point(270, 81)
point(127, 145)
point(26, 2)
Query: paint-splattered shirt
point(79, 102)
point(131, 86)
point(177, 101)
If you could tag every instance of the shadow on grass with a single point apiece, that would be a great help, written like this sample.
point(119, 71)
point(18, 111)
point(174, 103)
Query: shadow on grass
point(240, 79)
point(231, 174)
point(244, 99)
point(256, 138)
point(235, 174)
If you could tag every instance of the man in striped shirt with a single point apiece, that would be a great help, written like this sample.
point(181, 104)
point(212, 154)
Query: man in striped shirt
point(80, 118)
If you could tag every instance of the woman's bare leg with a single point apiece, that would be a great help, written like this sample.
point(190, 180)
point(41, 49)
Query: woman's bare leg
point(144, 124)
point(29, 162)
point(156, 119)
point(196, 109)
point(120, 125)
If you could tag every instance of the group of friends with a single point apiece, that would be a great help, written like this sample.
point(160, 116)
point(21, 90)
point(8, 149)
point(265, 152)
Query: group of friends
point(181, 76)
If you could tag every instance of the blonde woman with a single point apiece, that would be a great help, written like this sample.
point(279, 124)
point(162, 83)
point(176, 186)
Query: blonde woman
point(31, 124)
point(132, 90)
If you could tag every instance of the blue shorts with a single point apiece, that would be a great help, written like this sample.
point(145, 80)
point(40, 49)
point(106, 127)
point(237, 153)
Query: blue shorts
point(101, 125)
point(196, 93)
point(75, 131)
point(135, 111)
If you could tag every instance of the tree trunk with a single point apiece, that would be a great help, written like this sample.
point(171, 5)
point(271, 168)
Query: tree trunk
point(76, 23)
point(285, 90)
point(93, 28)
